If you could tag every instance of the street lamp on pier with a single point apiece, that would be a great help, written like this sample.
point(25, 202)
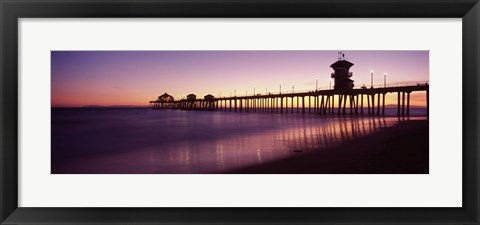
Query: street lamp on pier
point(384, 80)
point(280, 88)
point(316, 84)
point(371, 78)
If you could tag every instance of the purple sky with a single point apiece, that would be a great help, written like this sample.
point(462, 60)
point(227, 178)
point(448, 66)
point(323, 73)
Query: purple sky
point(131, 77)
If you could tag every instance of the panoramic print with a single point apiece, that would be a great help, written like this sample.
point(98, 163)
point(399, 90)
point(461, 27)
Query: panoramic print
point(240, 112)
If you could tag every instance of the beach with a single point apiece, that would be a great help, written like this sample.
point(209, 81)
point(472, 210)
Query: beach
point(401, 149)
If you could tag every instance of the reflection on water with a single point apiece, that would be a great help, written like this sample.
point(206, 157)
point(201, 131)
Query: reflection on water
point(149, 141)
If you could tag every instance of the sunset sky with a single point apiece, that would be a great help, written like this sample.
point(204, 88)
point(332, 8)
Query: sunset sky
point(107, 78)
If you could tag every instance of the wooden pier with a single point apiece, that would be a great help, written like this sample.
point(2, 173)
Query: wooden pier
point(370, 101)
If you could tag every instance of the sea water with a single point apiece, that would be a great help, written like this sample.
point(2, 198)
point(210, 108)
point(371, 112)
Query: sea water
point(139, 140)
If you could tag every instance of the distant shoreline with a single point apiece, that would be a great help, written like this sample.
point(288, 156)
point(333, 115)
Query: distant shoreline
point(100, 107)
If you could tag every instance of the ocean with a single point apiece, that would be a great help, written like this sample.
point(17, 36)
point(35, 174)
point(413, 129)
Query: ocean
point(148, 141)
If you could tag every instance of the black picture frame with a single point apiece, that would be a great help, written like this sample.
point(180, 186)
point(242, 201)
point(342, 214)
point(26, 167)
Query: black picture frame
point(11, 11)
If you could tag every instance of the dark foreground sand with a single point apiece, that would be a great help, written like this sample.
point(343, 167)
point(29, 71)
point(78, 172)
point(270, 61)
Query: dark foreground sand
point(402, 149)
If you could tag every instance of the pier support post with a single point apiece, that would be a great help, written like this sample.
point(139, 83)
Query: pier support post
point(398, 103)
point(265, 107)
point(309, 104)
point(361, 104)
point(408, 104)
point(253, 104)
point(332, 103)
point(298, 104)
point(378, 104)
point(275, 104)
point(268, 107)
point(403, 103)
point(281, 104)
point(260, 104)
point(373, 104)
point(322, 110)
point(319, 109)
point(340, 98)
point(267, 104)
point(356, 103)
point(368, 102)
point(272, 105)
point(291, 106)
point(383, 104)
point(303, 104)
point(352, 104)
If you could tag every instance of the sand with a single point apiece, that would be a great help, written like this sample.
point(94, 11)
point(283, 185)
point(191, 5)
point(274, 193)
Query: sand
point(402, 149)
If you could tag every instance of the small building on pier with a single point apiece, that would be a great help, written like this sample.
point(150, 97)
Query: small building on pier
point(163, 101)
point(191, 97)
point(165, 98)
point(342, 73)
point(209, 97)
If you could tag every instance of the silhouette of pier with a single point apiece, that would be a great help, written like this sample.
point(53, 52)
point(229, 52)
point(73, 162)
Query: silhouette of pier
point(355, 101)
point(343, 99)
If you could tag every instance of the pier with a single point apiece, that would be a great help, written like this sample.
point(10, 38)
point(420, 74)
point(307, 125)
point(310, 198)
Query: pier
point(370, 101)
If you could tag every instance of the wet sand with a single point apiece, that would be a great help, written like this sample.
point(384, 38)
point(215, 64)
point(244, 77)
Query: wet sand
point(402, 149)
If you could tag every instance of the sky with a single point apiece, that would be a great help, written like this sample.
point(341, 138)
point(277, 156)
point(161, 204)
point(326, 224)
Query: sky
point(107, 78)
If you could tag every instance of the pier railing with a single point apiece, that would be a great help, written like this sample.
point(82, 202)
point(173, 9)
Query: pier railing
point(325, 88)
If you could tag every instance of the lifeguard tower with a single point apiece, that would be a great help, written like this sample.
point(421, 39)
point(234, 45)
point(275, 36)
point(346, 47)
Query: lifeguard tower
point(342, 74)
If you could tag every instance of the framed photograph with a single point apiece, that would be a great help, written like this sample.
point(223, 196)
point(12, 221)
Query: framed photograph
point(318, 112)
